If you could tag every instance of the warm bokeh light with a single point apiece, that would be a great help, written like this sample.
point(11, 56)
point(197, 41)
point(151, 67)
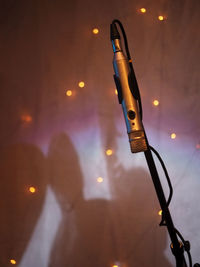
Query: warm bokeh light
point(160, 212)
point(81, 84)
point(109, 152)
point(173, 136)
point(160, 17)
point(26, 118)
point(32, 189)
point(156, 102)
point(198, 146)
point(12, 261)
point(116, 92)
point(95, 31)
point(143, 10)
point(99, 179)
point(69, 93)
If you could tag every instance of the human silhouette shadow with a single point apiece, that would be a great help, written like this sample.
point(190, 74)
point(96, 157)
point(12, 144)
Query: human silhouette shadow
point(99, 232)
point(82, 238)
point(21, 166)
point(93, 232)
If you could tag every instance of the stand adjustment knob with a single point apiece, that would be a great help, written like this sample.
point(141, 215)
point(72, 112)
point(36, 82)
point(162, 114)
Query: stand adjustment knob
point(187, 246)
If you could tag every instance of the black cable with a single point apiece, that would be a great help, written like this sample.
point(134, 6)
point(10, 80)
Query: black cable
point(124, 36)
point(186, 245)
point(166, 174)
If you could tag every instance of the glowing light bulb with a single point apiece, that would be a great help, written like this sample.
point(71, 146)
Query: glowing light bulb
point(109, 152)
point(160, 212)
point(198, 146)
point(160, 18)
point(26, 118)
point(81, 84)
point(32, 189)
point(156, 102)
point(99, 179)
point(69, 93)
point(95, 31)
point(173, 136)
point(116, 92)
point(12, 261)
point(117, 264)
point(143, 10)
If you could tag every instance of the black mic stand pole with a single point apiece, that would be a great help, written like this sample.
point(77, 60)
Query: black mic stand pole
point(176, 246)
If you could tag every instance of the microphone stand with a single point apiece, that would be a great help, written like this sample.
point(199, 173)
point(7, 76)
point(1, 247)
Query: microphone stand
point(176, 246)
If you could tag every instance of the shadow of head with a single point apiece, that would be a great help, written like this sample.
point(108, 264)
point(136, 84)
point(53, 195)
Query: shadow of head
point(65, 173)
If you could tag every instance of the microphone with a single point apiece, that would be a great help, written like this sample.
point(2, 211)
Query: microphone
point(128, 94)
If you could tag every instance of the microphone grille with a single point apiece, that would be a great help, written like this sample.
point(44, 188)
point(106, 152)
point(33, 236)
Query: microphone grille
point(137, 141)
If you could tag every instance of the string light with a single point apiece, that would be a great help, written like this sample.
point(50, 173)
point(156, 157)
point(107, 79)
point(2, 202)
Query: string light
point(95, 31)
point(160, 18)
point(32, 189)
point(69, 93)
point(12, 261)
point(156, 102)
point(109, 152)
point(26, 118)
point(160, 212)
point(81, 84)
point(173, 136)
point(198, 146)
point(143, 10)
point(99, 179)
